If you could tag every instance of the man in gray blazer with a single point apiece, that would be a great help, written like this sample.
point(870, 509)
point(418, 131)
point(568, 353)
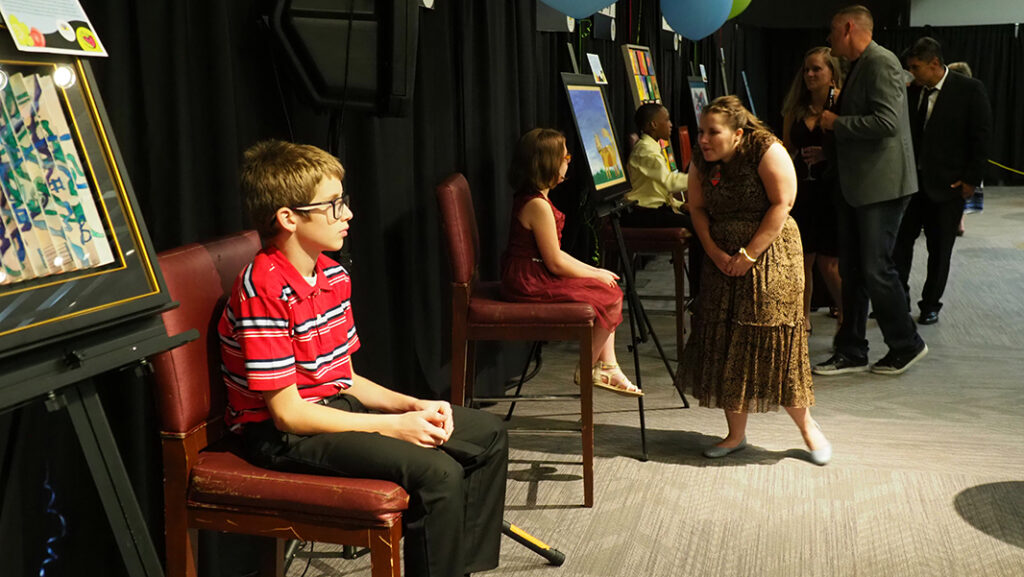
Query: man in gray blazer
point(875, 159)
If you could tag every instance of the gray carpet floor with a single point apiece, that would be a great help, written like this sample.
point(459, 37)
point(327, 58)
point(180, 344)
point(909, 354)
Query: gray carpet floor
point(927, 478)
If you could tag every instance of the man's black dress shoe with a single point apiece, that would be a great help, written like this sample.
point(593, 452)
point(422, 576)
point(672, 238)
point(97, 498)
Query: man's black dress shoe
point(928, 318)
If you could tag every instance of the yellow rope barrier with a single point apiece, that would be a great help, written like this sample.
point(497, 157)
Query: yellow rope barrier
point(1005, 167)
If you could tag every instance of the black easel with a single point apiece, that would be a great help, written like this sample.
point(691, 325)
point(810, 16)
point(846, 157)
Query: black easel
point(639, 323)
point(69, 370)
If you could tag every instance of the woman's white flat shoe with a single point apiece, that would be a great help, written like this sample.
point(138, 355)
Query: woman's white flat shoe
point(714, 451)
point(822, 456)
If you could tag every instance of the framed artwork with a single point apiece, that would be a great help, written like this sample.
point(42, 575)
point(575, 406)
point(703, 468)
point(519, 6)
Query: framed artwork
point(698, 95)
point(49, 222)
point(640, 72)
point(596, 69)
point(644, 87)
point(597, 136)
point(74, 252)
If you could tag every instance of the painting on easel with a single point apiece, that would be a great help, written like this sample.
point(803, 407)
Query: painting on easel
point(596, 134)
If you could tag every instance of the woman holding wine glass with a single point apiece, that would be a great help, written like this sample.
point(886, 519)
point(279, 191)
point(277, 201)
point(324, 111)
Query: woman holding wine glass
point(814, 90)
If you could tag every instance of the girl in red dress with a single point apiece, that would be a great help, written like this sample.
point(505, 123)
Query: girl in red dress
point(536, 269)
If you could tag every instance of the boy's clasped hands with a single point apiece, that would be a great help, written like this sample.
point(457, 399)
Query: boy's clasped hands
point(429, 423)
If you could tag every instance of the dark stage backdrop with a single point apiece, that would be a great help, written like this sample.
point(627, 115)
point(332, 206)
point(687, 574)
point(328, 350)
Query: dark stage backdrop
point(191, 83)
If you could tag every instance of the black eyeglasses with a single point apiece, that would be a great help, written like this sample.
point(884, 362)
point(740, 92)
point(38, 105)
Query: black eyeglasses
point(338, 206)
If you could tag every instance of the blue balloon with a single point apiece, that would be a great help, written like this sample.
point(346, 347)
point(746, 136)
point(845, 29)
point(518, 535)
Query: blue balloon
point(579, 8)
point(695, 19)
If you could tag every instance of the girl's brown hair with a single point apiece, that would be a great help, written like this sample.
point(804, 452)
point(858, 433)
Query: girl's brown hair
point(537, 160)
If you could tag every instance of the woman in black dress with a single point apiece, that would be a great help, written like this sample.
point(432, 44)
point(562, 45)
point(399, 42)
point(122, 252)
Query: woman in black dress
point(814, 90)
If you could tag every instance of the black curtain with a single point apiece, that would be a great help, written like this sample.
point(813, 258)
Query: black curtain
point(190, 84)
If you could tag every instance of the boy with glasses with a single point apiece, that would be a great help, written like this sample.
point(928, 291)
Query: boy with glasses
point(287, 336)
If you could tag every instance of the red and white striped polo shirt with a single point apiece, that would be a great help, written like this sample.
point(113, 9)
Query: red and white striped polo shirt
point(277, 330)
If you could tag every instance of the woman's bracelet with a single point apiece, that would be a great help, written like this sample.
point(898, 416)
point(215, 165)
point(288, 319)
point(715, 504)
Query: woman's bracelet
point(746, 255)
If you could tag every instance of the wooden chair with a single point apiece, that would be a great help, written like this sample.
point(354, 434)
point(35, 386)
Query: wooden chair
point(479, 314)
point(207, 484)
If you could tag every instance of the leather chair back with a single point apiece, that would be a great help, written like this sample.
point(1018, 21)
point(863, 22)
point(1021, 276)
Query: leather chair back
point(459, 222)
point(685, 149)
point(200, 277)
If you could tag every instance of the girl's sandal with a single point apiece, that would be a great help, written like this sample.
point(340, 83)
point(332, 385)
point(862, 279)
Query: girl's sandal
point(610, 377)
point(593, 371)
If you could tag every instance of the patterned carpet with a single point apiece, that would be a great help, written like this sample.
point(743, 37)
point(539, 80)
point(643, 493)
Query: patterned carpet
point(927, 478)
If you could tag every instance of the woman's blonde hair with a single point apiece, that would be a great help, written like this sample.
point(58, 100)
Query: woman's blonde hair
point(537, 160)
point(798, 99)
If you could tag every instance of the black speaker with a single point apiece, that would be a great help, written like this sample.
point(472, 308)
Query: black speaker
point(604, 27)
point(352, 53)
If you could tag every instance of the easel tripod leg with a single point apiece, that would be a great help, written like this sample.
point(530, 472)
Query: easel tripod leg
point(554, 556)
point(108, 472)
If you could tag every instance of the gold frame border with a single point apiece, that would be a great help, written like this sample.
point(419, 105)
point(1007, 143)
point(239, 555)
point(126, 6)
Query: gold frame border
point(122, 197)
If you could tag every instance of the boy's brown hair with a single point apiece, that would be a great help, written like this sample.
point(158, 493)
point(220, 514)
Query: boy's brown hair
point(277, 174)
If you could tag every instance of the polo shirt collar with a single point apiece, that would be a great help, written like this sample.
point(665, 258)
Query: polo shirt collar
point(294, 278)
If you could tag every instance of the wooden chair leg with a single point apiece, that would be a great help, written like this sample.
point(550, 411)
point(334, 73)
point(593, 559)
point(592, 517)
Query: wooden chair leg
point(272, 557)
point(182, 546)
point(587, 415)
point(180, 542)
point(385, 551)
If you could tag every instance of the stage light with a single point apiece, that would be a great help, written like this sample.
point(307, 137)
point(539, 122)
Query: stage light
point(3, 79)
point(64, 77)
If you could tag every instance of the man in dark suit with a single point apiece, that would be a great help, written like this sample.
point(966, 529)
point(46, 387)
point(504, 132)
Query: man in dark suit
point(875, 160)
point(952, 127)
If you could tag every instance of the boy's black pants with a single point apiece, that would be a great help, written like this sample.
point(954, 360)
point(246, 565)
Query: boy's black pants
point(456, 492)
